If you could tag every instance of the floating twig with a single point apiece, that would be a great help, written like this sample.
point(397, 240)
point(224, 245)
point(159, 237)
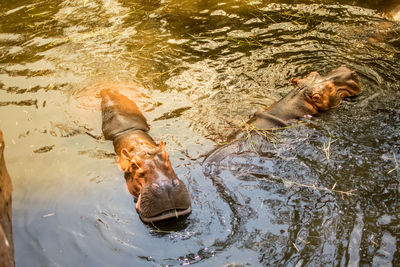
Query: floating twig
point(302, 240)
point(332, 190)
point(396, 163)
point(373, 241)
point(327, 148)
point(294, 245)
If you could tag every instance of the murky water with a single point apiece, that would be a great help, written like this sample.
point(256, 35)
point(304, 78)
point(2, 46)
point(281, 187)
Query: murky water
point(198, 69)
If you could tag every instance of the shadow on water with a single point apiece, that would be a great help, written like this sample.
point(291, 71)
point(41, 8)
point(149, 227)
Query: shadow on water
point(326, 192)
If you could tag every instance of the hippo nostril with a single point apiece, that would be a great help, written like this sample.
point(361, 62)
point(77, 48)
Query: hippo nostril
point(175, 182)
point(155, 186)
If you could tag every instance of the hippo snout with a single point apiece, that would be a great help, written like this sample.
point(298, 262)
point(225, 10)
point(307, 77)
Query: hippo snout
point(163, 200)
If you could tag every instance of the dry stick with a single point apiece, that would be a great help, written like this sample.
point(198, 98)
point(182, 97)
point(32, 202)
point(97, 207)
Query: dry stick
point(158, 230)
point(396, 163)
point(294, 245)
point(349, 192)
point(302, 240)
point(342, 193)
point(326, 149)
point(373, 241)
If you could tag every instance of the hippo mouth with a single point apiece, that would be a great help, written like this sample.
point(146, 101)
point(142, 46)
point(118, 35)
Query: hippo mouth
point(167, 213)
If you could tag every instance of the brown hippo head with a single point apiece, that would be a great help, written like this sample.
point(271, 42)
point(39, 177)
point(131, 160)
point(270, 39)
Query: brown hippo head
point(312, 95)
point(158, 192)
point(326, 92)
point(149, 176)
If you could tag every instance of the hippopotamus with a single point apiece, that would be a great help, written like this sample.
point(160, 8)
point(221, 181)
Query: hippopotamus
point(158, 192)
point(312, 95)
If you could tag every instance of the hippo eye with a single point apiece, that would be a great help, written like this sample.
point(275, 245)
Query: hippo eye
point(139, 173)
point(316, 98)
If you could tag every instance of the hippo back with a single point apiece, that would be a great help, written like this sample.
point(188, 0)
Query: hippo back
point(120, 115)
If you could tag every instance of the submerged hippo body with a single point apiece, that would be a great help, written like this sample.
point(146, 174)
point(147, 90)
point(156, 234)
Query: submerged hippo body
point(312, 95)
point(158, 192)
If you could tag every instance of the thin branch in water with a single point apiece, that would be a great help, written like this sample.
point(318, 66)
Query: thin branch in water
point(302, 240)
point(158, 230)
point(294, 245)
point(396, 163)
point(332, 190)
point(327, 148)
point(333, 187)
point(373, 241)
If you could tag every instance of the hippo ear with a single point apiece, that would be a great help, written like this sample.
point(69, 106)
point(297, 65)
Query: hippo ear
point(295, 81)
point(124, 160)
point(162, 145)
point(164, 155)
point(165, 159)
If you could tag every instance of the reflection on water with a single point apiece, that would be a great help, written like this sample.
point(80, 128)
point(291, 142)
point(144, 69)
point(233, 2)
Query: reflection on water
point(199, 69)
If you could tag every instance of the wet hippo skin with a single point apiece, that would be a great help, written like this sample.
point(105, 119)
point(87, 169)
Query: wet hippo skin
point(6, 239)
point(158, 192)
point(312, 95)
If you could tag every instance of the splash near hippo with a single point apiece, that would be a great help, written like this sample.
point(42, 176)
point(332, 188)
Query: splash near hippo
point(158, 192)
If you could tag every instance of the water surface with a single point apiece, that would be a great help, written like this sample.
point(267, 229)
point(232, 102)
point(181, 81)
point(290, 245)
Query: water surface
point(198, 69)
